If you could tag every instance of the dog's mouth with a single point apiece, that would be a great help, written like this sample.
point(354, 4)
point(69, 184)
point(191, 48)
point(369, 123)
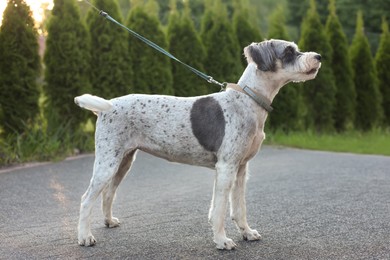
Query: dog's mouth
point(312, 71)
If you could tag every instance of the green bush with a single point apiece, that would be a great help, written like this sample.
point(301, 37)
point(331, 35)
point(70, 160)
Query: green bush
point(319, 93)
point(37, 145)
point(152, 70)
point(111, 70)
point(67, 63)
point(382, 62)
point(223, 51)
point(185, 44)
point(245, 32)
point(368, 108)
point(19, 68)
point(344, 109)
point(277, 24)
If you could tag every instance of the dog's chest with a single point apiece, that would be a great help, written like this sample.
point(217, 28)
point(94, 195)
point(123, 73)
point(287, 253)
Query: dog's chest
point(254, 147)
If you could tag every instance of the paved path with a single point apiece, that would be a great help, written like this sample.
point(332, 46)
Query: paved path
point(306, 205)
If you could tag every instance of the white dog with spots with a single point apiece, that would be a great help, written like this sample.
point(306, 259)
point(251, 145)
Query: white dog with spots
point(222, 131)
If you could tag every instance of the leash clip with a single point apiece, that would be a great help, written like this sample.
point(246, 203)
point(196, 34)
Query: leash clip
point(102, 13)
point(213, 81)
point(223, 86)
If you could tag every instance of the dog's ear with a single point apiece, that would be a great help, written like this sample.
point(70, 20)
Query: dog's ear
point(263, 54)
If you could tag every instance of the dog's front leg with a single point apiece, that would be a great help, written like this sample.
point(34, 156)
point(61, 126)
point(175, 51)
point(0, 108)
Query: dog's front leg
point(238, 205)
point(222, 185)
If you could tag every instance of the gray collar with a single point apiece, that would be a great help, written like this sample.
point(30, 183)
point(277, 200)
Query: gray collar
point(260, 99)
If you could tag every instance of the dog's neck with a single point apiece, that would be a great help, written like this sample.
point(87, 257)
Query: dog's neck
point(260, 81)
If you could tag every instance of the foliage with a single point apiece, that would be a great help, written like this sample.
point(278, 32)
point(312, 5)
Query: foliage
point(298, 10)
point(319, 93)
point(111, 73)
point(345, 103)
point(373, 10)
point(152, 70)
point(67, 66)
point(261, 9)
point(286, 103)
point(19, 68)
point(277, 24)
point(382, 62)
point(185, 43)
point(222, 48)
point(368, 109)
point(245, 32)
point(38, 145)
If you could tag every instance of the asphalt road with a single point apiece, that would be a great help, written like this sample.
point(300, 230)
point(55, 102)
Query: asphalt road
point(306, 205)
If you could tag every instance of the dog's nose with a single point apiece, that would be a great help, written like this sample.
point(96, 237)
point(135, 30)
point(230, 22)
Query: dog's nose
point(318, 57)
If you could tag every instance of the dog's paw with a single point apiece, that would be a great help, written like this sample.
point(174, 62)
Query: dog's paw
point(225, 243)
point(111, 223)
point(251, 235)
point(88, 241)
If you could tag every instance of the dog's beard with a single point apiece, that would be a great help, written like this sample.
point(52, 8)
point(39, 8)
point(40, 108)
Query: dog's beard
point(307, 68)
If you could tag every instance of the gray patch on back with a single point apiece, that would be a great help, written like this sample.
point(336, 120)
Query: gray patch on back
point(208, 123)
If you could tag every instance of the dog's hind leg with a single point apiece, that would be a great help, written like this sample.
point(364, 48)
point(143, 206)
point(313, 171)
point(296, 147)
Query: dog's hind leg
point(238, 205)
point(222, 185)
point(108, 194)
point(104, 169)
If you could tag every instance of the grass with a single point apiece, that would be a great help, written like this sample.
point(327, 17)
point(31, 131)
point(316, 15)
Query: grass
point(373, 142)
point(37, 145)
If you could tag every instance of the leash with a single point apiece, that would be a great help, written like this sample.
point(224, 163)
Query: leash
point(204, 76)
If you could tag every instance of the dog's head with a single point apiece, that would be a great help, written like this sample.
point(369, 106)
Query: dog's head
point(283, 58)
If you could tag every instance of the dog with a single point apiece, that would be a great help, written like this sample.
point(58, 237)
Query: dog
point(222, 131)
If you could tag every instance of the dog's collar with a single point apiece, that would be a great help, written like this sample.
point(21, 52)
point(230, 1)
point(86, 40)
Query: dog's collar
point(260, 99)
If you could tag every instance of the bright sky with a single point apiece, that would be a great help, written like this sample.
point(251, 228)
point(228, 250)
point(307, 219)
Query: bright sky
point(35, 6)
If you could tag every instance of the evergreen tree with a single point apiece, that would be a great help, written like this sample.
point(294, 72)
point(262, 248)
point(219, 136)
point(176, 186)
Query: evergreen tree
point(152, 69)
point(67, 61)
point(277, 24)
point(245, 32)
point(286, 104)
point(186, 45)
point(223, 51)
point(19, 67)
point(368, 108)
point(111, 70)
point(382, 61)
point(320, 92)
point(344, 109)
point(207, 20)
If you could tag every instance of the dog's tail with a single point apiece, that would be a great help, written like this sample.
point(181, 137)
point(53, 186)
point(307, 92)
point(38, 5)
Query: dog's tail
point(93, 103)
